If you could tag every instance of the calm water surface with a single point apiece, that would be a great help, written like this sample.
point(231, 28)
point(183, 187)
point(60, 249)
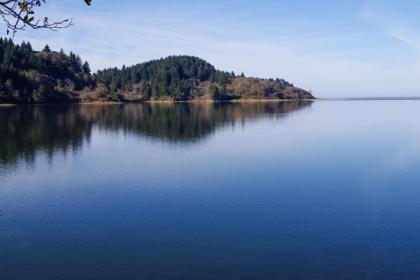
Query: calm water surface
point(323, 190)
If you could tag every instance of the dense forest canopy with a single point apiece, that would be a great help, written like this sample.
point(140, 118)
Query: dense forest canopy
point(28, 76)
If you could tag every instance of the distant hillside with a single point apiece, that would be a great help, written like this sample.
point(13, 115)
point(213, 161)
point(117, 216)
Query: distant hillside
point(186, 77)
point(27, 76)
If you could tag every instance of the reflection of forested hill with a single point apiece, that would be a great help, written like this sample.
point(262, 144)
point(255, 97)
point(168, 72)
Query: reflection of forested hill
point(27, 130)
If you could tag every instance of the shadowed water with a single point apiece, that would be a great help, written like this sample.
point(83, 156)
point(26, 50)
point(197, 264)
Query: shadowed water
point(289, 190)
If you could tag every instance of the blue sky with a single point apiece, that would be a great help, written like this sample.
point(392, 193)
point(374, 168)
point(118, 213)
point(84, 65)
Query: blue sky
point(335, 48)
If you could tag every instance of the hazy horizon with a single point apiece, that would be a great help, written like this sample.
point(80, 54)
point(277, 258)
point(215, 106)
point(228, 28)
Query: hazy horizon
point(363, 48)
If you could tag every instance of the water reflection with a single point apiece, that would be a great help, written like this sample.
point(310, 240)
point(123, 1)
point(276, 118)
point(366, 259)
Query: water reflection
point(27, 130)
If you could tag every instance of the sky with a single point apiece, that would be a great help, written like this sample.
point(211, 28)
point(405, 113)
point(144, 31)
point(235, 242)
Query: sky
point(356, 48)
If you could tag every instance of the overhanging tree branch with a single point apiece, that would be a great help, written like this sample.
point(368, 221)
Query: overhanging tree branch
point(19, 14)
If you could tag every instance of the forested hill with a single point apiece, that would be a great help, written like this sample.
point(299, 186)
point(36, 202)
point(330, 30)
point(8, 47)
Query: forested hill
point(28, 76)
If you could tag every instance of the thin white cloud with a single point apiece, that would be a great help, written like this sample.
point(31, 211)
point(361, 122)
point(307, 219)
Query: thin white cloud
point(382, 14)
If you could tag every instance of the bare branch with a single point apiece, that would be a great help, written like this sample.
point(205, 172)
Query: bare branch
point(20, 14)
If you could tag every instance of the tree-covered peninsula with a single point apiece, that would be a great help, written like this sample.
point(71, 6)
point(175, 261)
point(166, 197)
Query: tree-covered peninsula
point(28, 76)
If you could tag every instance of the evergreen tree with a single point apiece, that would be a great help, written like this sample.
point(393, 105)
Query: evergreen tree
point(47, 49)
point(86, 68)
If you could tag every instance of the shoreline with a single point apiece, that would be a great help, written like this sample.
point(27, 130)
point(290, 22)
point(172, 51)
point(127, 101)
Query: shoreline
point(223, 101)
point(204, 101)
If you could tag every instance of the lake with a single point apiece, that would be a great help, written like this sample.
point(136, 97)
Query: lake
point(274, 190)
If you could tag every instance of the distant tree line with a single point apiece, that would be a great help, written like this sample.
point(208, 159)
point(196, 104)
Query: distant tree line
point(28, 76)
point(174, 77)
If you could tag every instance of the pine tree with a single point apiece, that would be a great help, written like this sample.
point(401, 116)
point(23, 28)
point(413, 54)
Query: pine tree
point(86, 68)
point(47, 49)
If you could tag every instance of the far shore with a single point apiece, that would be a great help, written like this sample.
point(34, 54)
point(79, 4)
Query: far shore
point(196, 101)
point(225, 101)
